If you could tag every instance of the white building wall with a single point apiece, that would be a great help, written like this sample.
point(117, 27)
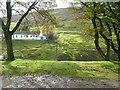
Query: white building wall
point(27, 37)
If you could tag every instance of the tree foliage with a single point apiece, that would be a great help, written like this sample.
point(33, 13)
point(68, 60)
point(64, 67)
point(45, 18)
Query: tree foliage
point(106, 25)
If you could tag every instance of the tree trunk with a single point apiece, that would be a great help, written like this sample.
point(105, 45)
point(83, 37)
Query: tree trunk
point(9, 45)
point(97, 37)
point(118, 54)
point(6, 27)
point(118, 41)
point(107, 40)
point(108, 50)
point(118, 51)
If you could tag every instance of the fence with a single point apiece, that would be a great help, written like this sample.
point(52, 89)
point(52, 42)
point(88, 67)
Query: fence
point(0, 57)
point(62, 53)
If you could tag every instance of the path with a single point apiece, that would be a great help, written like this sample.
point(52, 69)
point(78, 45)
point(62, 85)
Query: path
point(54, 81)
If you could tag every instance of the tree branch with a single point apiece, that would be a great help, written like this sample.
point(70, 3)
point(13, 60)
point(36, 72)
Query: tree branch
point(109, 29)
point(19, 13)
point(24, 15)
point(101, 32)
point(13, 5)
point(97, 37)
point(113, 47)
point(2, 25)
point(83, 3)
point(115, 31)
point(9, 14)
point(113, 13)
point(39, 13)
point(34, 18)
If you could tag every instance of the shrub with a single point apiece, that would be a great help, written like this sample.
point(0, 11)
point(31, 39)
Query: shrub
point(50, 35)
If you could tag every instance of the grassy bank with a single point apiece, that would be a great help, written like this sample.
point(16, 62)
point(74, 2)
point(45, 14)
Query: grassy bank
point(93, 69)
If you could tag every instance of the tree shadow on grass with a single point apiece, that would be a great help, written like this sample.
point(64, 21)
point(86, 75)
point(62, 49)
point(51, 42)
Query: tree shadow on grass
point(10, 69)
point(15, 71)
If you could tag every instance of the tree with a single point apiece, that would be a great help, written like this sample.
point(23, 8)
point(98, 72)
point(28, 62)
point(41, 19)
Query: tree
point(36, 5)
point(106, 25)
point(105, 21)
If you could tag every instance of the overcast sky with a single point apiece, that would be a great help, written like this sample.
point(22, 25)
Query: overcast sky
point(60, 3)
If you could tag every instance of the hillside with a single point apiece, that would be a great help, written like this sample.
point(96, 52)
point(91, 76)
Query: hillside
point(65, 14)
point(61, 14)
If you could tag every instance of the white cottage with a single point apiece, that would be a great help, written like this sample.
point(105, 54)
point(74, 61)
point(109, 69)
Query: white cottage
point(29, 36)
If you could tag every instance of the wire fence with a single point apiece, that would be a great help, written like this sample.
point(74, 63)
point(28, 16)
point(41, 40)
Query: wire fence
point(1, 57)
point(62, 53)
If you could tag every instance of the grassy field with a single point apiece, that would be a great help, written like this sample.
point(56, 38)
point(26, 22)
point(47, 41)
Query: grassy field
point(77, 54)
point(67, 48)
point(90, 69)
point(70, 45)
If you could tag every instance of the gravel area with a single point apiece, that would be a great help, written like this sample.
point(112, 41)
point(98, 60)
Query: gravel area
point(55, 81)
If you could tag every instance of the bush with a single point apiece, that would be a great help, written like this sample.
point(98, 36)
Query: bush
point(50, 35)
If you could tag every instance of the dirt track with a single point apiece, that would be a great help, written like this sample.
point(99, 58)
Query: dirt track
point(54, 81)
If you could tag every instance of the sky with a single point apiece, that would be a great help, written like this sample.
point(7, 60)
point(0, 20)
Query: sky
point(60, 3)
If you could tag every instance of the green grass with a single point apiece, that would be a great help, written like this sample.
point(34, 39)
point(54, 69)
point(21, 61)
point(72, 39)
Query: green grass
point(71, 44)
point(91, 69)
point(32, 49)
point(39, 56)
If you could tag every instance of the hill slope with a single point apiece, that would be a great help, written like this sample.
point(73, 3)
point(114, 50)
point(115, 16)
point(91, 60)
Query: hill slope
point(61, 14)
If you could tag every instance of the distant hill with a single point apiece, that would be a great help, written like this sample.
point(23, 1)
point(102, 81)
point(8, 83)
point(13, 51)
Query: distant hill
point(66, 14)
point(61, 14)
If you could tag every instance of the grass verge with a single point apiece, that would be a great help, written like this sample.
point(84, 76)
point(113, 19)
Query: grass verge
point(90, 69)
